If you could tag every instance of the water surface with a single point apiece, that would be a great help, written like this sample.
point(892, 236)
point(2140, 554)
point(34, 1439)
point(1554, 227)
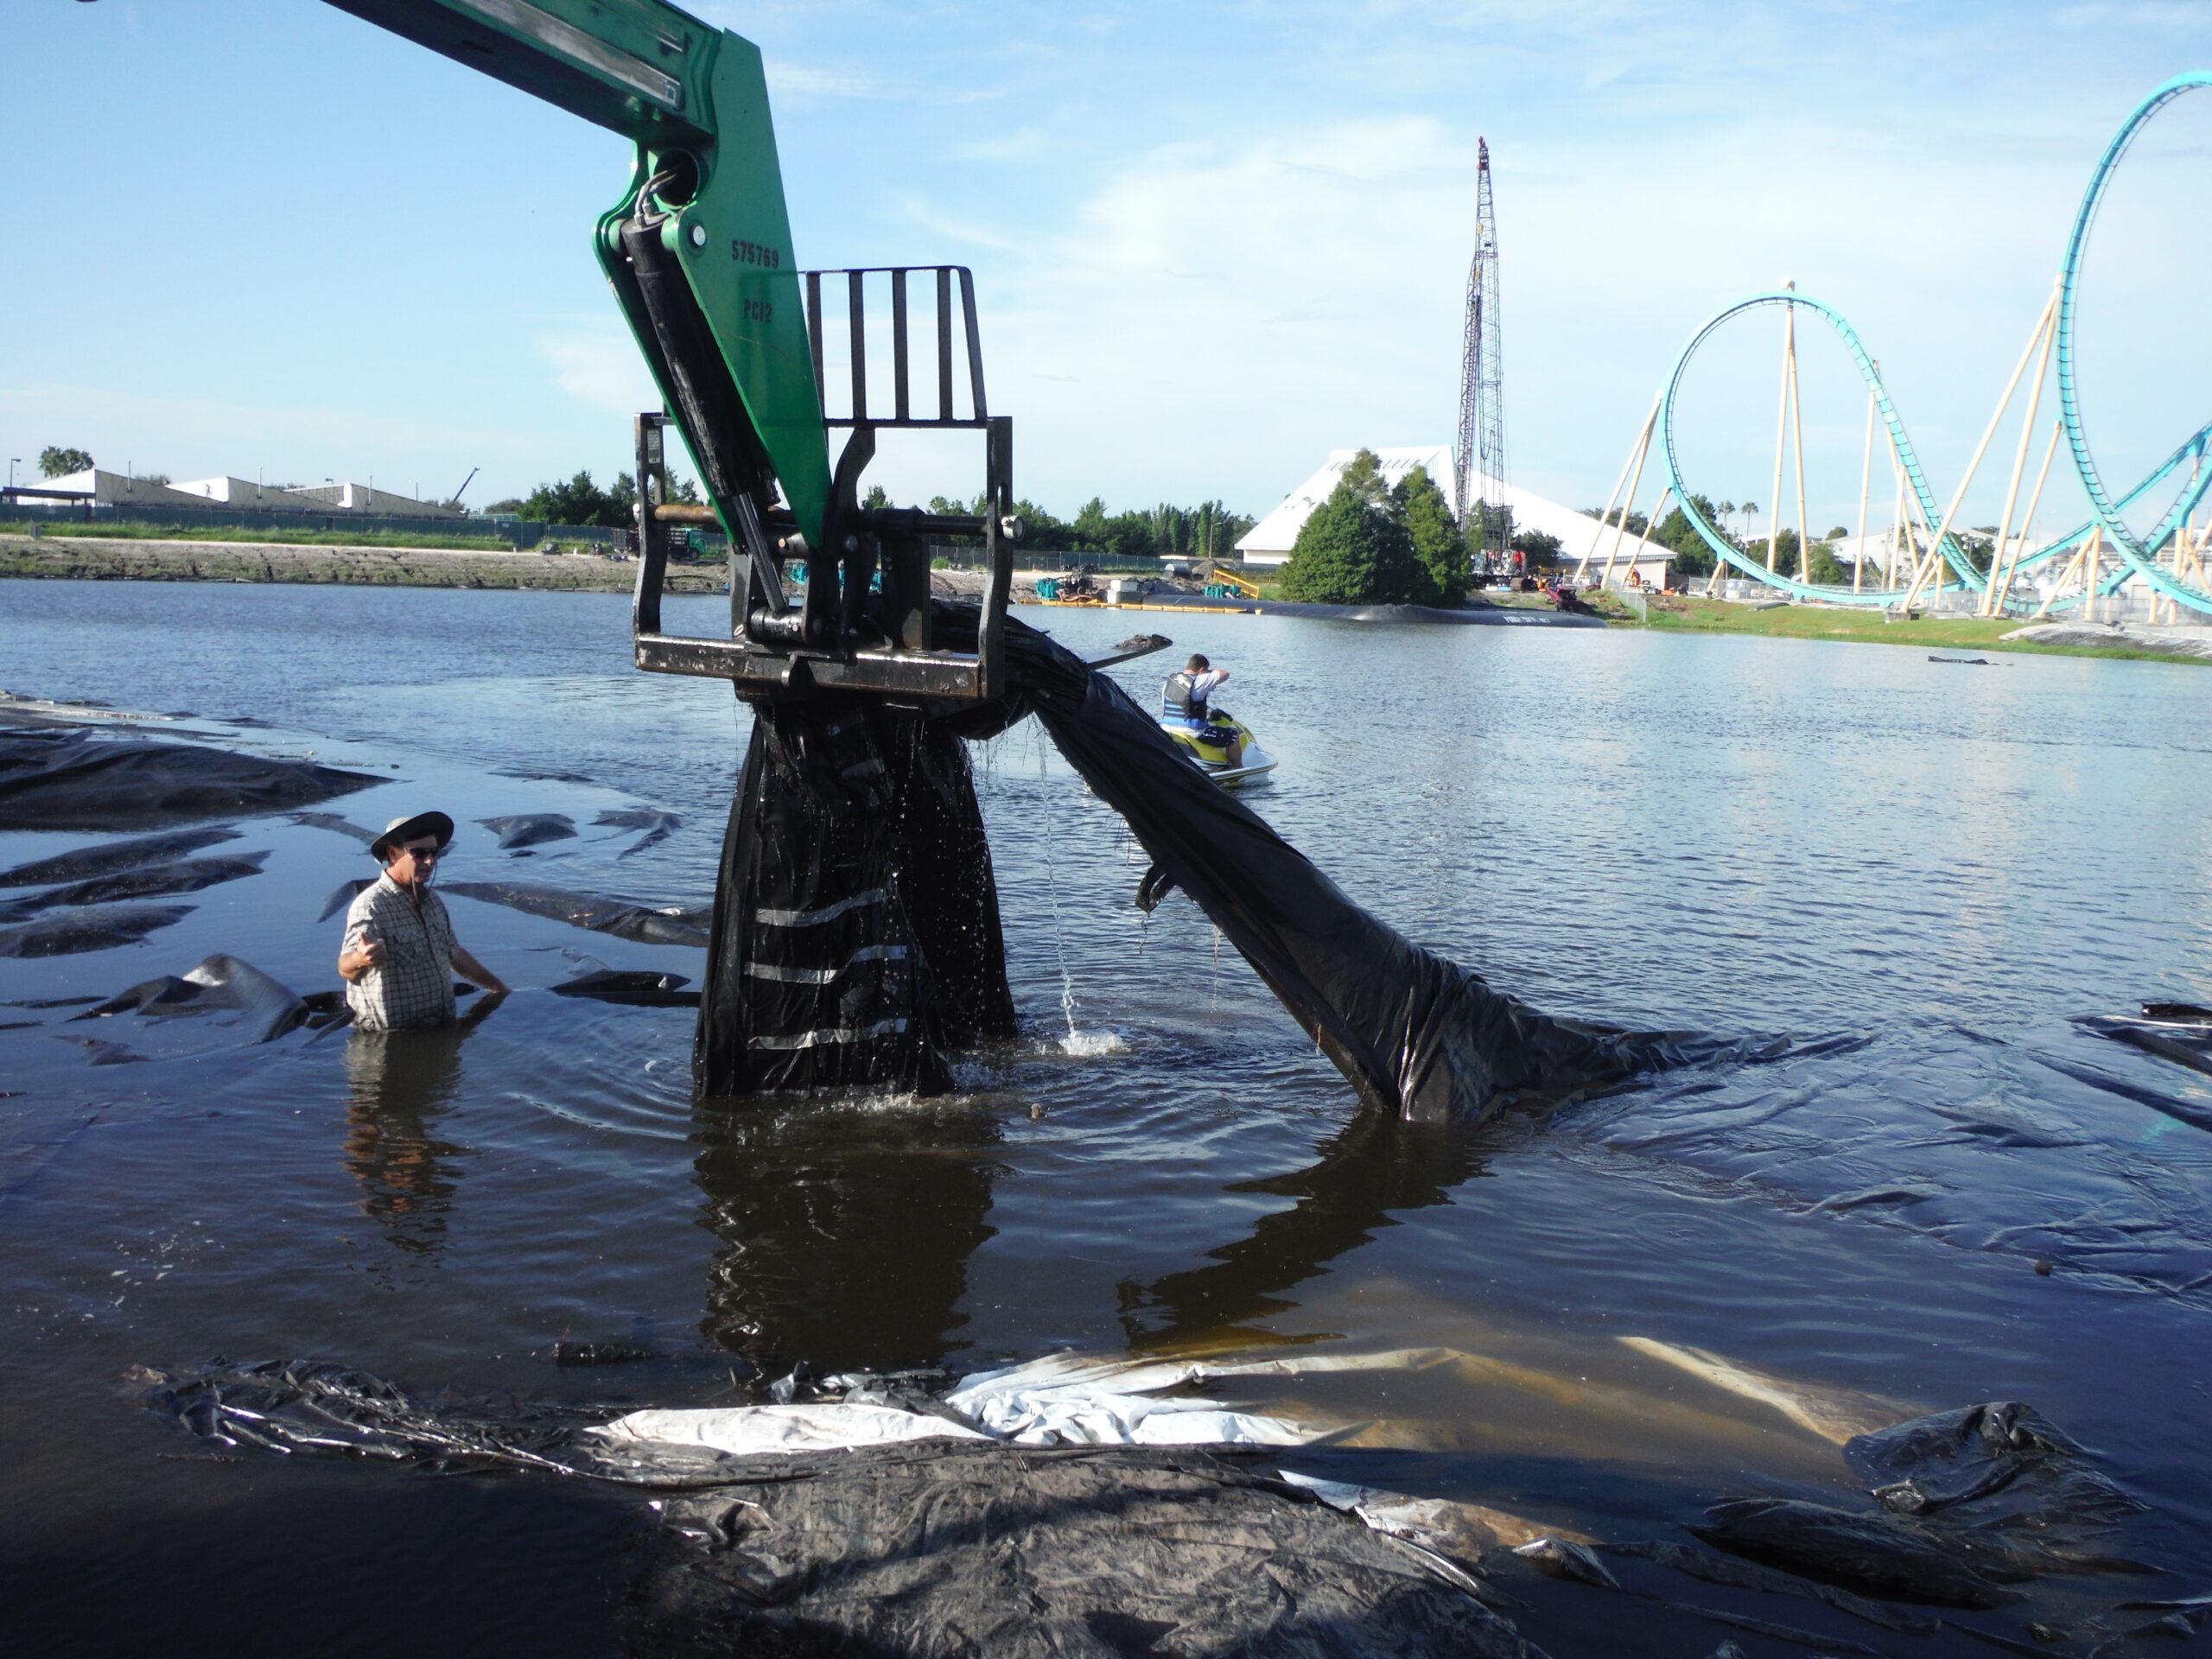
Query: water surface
point(1728, 835)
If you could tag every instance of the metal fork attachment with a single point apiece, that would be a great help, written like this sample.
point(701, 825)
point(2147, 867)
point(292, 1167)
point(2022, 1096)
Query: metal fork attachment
point(863, 621)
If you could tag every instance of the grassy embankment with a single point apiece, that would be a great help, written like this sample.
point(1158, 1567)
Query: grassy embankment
point(1684, 614)
point(1866, 627)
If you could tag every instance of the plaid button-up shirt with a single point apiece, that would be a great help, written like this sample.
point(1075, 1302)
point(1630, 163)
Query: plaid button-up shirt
point(414, 986)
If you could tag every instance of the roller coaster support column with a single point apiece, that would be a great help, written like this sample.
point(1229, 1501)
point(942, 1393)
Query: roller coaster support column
point(1782, 420)
point(2003, 588)
point(1658, 513)
point(1797, 451)
point(2084, 564)
point(1989, 432)
point(1634, 463)
point(2048, 330)
point(1866, 480)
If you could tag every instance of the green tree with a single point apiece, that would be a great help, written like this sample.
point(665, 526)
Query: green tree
point(1364, 473)
point(1131, 535)
point(1353, 552)
point(1090, 525)
point(1538, 547)
point(1437, 547)
point(579, 501)
point(1042, 530)
point(1826, 569)
point(55, 462)
point(1334, 560)
point(1370, 543)
point(1678, 537)
point(1637, 524)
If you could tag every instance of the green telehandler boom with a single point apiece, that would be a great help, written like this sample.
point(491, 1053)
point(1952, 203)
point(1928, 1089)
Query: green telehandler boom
point(699, 252)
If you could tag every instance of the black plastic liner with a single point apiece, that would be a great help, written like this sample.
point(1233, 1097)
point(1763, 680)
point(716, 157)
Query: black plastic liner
point(955, 1546)
point(1418, 1036)
point(856, 938)
point(857, 935)
point(75, 780)
point(931, 1547)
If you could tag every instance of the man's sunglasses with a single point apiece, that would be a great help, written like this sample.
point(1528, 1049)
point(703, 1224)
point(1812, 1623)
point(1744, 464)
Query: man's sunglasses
point(425, 855)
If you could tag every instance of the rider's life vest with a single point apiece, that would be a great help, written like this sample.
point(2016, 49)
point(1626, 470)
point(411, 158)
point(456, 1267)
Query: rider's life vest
point(1179, 701)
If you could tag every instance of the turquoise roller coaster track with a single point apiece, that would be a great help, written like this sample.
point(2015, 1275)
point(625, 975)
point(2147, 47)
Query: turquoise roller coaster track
point(1915, 478)
point(2137, 553)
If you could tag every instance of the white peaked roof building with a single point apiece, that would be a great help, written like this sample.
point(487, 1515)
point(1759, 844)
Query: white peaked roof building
point(359, 497)
point(244, 495)
point(121, 490)
point(1268, 542)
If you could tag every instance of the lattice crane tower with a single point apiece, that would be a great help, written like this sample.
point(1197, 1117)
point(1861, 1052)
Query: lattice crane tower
point(1479, 463)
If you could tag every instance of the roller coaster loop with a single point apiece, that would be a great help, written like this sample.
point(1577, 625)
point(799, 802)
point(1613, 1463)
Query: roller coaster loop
point(2137, 553)
point(1723, 548)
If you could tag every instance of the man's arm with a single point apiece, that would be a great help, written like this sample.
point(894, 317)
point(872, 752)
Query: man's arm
point(354, 964)
point(359, 953)
point(473, 969)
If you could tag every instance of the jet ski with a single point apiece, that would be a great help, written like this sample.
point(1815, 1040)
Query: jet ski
point(1213, 758)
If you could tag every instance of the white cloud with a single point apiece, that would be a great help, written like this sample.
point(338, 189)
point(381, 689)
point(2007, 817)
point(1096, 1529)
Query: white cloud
point(599, 364)
point(952, 226)
point(1215, 313)
point(796, 82)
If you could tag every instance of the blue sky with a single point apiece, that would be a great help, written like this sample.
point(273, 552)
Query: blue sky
point(1212, 241)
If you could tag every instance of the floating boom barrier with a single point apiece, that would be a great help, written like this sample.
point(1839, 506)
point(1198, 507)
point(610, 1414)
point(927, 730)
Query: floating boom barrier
point(2093, 558)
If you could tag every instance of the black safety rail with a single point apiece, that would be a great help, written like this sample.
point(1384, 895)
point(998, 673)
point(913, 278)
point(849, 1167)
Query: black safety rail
point(836, 638)
point(901, 355)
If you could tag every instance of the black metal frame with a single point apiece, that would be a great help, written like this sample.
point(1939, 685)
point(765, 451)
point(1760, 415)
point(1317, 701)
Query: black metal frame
point(829, 640)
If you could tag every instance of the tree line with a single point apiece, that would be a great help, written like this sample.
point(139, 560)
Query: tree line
point(1151, 532)
point(1209, 529)
point(579, 501)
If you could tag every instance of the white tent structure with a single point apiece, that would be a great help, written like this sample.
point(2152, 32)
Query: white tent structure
point(244, 495)
point(123, 490)
point(239, 495)
point(360, 497)
point(1268, 543)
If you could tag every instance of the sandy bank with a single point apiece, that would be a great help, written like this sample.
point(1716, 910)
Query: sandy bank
point(87, 559)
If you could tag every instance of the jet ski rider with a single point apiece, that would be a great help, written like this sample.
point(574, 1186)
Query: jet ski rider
point(1183, 705)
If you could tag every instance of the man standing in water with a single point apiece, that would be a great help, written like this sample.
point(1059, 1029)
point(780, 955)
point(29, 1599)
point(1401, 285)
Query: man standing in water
point(400, 952)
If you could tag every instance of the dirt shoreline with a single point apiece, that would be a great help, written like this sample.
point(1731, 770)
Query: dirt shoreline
point(85, 559)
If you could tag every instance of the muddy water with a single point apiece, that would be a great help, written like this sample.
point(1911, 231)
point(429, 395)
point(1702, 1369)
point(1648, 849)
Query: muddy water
point(1728, 835)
